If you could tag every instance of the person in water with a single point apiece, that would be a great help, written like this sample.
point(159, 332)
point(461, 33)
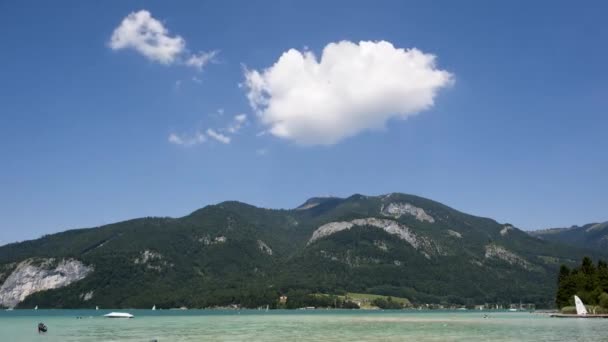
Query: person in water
point(42, 328)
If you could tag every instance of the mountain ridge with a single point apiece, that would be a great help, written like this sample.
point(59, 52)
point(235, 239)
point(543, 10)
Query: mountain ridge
point(592, 235)
point(235, 253)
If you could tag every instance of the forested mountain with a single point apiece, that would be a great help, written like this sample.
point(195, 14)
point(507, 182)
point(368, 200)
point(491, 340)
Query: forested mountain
point(234, 253)
point(591, 236)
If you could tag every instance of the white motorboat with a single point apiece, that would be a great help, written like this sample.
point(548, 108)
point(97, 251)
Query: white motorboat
point(118, 315)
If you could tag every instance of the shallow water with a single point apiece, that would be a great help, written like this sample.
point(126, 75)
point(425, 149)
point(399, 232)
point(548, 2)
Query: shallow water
point(314, 325)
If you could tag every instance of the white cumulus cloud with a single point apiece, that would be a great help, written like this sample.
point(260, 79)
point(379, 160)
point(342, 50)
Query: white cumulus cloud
point(218, 136)
point(187, 140)
point(147, 35)
point(141, 32)
point(351, 88)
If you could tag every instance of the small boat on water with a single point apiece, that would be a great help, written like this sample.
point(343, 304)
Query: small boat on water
point(118, 315)
point(154, 308)
point(36, 307)
point(581, 311)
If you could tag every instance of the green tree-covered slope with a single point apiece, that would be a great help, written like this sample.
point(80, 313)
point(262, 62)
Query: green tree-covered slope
point(234, 253)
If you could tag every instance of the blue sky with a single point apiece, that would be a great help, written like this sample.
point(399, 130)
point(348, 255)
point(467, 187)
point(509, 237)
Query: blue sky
point(518, 133)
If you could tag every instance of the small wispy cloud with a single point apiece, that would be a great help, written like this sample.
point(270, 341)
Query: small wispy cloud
point(237, 123)
point(224, 139)
point(240, 117)
point(261, 151)
point(222, 135)
point(187, 140)
point(202, 59)
point(177, 85)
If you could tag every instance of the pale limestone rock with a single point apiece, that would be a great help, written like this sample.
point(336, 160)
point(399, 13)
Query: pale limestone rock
point(381, 244)
point(329, 229)
point(264, 247)
point(501, 253)
point(397, 210)
point(454, 234)
point(152, 260)
point(86, 296)
point(147, 256)
point(206, 240)
point(308, 206)
point(425, 245)
point(505, 230)
point(31, 276)
point(476, 263)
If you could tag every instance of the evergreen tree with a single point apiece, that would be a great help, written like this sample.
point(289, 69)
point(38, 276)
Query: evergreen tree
point(602, 275)
point(564, 288)
point(587, 281)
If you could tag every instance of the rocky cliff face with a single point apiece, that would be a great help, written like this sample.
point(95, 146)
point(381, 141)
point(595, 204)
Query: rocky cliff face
point(34, 275)
point(423, 244)
point(397, 210)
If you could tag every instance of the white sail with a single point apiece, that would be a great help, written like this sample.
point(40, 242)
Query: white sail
point(97, 308)
point(580, 307)
point(154, 307)
point(36, 308)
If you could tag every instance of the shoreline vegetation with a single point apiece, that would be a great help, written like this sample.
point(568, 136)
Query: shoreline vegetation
point(347, 301)
point(589, 282)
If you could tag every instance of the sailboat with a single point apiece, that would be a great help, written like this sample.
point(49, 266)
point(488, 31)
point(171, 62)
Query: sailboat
point(154, 308)
point(581, 311)
point(97, 308)
point(36, 307)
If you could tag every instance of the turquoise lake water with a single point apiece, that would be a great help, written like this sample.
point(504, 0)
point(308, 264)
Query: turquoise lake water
point(298, 325)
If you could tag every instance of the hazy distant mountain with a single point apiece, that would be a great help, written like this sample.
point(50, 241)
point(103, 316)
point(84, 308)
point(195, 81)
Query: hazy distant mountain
point(592, 235)
point(234, 253)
